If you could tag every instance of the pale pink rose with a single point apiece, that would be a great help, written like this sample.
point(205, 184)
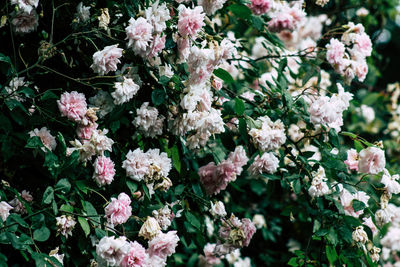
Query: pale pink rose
point(157, 46)
point(216, 178)
point(363, 44)
point(139, 33)
point(372, 160)
point(4, 210)
point(107, 59)
point(136, 256)
point(85, 132)
point(210, 258)
point(190, 20)
point(183, 48)
point(217, 84)
point(335, 51)
point(45, 136)
point(282, 21)
point(119, 210)
point(361, 69)
point(104, 170)
point(352, 159)
point(368, 222)
point(249, 230)
point(346, 199)
point(260, 7)
point(207, 174)
point(163, 245)
point(239, 159)
point(267, 163)
point(72, 105)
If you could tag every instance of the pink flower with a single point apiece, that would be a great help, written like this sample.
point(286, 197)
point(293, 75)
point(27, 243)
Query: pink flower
point(260, 7)
point(210, 258)
point(267, 163)
point(107, 59)
point(72, 105)
point(372, 160)
point(103, 170)
point(157, 46)
point(363, 44)
point(249, 230)
point(4, 210)
point(352, 159)
point(139, 34)
point(163, 245)
point(238, 158)
point(216, 178)
point(361, 69)
point(335, 51)
point(190, 20)
point(45, 136)
point(119, 210)
point(85, 132)
point(136, 256)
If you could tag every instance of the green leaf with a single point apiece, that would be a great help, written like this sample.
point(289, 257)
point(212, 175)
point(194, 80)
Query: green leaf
point(17, 218)
point(333, 137)
point(358, 205)
point(48, 195)
point(132, 186)
point(179, 189)
point(358, 145)
point(257, 22)
point(63, 185)
point(41, 234)
point(48, 95)
point(193, 220)
point(240, 11)
point(331, 254)
point(197, 190)
point(239, 106)
point(85, 225)
point(158, 96)
point(51, 162)
point(67, 208)
point(175, 158)
point(34, 142)
point(224, 75)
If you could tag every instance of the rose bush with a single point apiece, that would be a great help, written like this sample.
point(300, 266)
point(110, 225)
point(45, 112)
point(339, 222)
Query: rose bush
point(198, 133)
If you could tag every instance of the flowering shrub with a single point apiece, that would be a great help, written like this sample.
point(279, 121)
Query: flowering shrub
point(197, 133)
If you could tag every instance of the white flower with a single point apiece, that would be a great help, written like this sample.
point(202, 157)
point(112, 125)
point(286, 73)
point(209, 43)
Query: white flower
point(139, 34)
point(148, 121)
point(259, 221)
point(372, 160)
point(65, 225)
point(391, 182)
point(218, 209)
point(26, 5)
point(383, 216)
point(267, 163)
point(107, 59)
point(83, 12)
point(211, 6)
point(157, 15)
point(45, 136)
point(318, 185)
point(13, 87)
point(271, 135)
point(359, 235)
point(166, 70)
point(110, 250)
point(124, 91)
point(4, 210)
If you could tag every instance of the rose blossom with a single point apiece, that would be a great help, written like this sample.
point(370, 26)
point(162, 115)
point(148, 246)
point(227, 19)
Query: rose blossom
point(72, 105)
point(107, 59)
point(260, 7)
point(216, 178)
point(23, 22)
point(391, 182)
point(190, 20)
point(218, 209)
point(4, 210)
point(372, 160)
point(65, 225)
point(352, 159)
point(124, 91)
point(335, 51)
point(136, 256)
point(139, 34)
point(267, 163)
point(26, 5)
point(45, 136)
point(119, 210)
point(103, 170)
point(163, 245)
point(238, 158)
point(150, 228)
point(111, 251)
point(209, 258)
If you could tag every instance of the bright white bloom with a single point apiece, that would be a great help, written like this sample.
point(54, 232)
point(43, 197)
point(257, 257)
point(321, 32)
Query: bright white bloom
point(4, 210)
point(218, 209)
point(383, 216)
point(163, 216)
point(111, 251)
point(13, 87)
point(150, 228)
point(157, 15)
point(259, 221)
point(359, 235)
point(391, 182)
point(65, 225)
point(124, 91)
point(26, 5)
point(107, 59)
point(148, 121)
point(319, 186)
